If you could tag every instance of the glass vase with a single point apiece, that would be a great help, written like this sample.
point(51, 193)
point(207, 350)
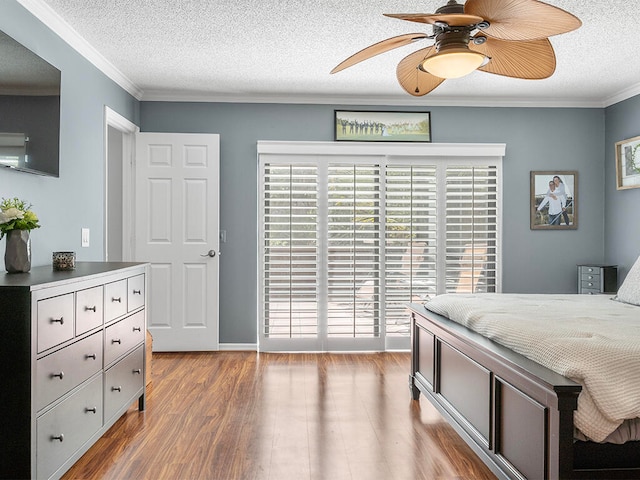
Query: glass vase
point(17, 254)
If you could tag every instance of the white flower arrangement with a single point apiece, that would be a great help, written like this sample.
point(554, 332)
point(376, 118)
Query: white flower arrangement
point(16, 214)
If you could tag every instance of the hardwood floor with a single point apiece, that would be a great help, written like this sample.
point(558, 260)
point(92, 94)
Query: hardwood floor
point(243, 415)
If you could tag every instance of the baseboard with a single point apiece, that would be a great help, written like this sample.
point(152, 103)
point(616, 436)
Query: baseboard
point(231, 347)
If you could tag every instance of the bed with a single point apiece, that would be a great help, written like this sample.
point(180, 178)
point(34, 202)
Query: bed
point(540, 386)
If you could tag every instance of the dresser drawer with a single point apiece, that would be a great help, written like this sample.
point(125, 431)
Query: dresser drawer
point(115, 300)
point(122, 336)
point(55, 321)
point(88, 309)
point(135, 292)
point(67, 368)
point(123, 381)
point(65, 428)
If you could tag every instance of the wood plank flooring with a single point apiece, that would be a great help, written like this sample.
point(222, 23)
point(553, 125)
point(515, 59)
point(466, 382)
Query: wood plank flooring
point(244, 415)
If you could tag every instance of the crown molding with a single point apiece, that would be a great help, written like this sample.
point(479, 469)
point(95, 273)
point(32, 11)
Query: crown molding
point(622, 95)
point(51, 19)
point(381, 100)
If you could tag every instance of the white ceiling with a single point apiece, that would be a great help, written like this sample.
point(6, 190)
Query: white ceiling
point(250, 50)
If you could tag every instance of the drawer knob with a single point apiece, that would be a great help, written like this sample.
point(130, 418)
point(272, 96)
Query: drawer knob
point(137, 292)
point(137, 329)
point(590, 277)
point(590, 269)
point(116, 340)
point(58, 320)
point(91, 355)
point(137, 371)
point(58, 437)
point(92, 410)
point(116, 389)
point(93, 309)
point(590, 284)
point(59, 375)
point(118, 299)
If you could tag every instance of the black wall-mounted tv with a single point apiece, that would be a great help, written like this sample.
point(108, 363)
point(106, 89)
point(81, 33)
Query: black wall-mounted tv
point(29, 110)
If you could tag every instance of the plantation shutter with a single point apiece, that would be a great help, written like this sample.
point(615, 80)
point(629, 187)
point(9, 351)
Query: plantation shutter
point(347, 240)
point(410, 241)
point(353, 251)
point(471, 228)
point(290, 251)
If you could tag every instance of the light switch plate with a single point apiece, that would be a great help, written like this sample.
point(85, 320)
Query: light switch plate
point(85, 237)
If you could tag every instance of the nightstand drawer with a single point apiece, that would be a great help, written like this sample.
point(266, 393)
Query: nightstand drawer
point(65, 428)
point(122, 381)
point(115, 300)
point(55, 321)
point(590, 291)
point(591, 284)
point(590, 277)
point(589, 269)
point(88, 309)
point(58, 373)
point(122, 336)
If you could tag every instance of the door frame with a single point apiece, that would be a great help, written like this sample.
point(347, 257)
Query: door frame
point(128, 130)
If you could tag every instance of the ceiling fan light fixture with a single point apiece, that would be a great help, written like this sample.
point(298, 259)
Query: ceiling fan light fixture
point(453, 62)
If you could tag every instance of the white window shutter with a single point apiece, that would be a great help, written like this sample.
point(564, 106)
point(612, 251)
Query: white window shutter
point(348, 240)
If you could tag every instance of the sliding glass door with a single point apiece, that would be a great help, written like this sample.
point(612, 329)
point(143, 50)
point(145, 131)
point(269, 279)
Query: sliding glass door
point(347, 241)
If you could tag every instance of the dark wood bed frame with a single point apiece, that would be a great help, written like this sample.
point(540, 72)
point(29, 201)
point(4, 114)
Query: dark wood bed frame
point(514, 413)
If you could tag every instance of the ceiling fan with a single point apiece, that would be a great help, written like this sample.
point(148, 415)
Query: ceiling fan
point(504, 37)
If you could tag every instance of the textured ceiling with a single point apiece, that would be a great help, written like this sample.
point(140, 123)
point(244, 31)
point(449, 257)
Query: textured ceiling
point(251, 50)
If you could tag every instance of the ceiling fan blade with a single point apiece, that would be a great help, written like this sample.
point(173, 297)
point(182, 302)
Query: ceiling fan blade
point(378, 48)
point(451, 19)
point(414, 81)
point(522, 19)
point(533, 59)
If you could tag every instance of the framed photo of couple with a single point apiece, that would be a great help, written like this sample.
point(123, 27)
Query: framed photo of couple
point(554, 200)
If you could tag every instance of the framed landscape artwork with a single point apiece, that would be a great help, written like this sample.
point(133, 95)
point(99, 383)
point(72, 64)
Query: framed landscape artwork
point(554, 200)
point(628, 164)
point(364, 126)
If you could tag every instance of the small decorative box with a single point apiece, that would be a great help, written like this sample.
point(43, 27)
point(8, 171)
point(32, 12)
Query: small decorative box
point(64, 260)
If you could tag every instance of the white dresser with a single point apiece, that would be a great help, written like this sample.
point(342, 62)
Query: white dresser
point(74, 359)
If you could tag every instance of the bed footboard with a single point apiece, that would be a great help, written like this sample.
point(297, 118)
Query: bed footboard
point(515, 414)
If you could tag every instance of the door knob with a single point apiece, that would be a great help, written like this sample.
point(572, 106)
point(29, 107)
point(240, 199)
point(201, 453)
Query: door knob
point(210, 253)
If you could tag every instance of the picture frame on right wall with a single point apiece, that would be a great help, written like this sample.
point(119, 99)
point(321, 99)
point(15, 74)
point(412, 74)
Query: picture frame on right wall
point(554, 200)
point(628, 163)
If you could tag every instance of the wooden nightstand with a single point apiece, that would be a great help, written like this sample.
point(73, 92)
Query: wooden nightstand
point(595, 279)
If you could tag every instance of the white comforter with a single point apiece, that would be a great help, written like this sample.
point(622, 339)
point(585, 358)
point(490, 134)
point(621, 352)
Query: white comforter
point(591, 339)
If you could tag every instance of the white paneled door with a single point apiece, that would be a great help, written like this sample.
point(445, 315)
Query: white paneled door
point(177, 232)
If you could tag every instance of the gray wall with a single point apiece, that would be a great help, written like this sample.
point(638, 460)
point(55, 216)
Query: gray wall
point(536, 139)
point(75, 199)
point(622, 212)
